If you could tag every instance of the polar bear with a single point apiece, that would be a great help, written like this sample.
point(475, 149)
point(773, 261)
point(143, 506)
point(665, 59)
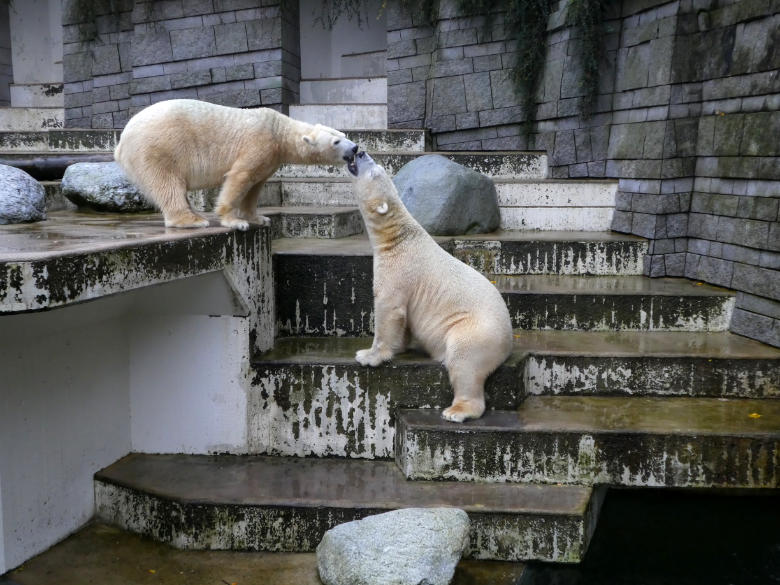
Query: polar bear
point(424, 293)
point(176, 145)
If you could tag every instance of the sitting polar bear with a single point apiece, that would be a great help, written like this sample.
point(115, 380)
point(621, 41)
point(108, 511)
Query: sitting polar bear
point(177, 145)
point(423, 292)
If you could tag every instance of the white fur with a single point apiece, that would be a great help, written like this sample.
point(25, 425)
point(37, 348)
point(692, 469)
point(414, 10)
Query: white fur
point(177, 145)
point(421, 291)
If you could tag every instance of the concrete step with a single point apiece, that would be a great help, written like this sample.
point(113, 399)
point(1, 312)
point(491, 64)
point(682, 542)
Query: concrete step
point(280, 504)
point(337, 299)
point(645, 363)
point(31, 119)
point(352, 115)
point(665, 442)
point(314, 222)
point(353, 90)
point(74, 140)
point(310, 397)
point(578, 205)
point(614, 303)
point(503, 165)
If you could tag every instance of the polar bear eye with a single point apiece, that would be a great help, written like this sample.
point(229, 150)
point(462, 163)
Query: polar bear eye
point(337, 141)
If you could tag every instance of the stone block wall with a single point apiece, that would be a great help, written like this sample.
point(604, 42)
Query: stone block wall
point(240, 53)
point(6, 68)
point(686, 119)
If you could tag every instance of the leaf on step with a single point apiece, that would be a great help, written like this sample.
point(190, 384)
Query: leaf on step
point(754, 415)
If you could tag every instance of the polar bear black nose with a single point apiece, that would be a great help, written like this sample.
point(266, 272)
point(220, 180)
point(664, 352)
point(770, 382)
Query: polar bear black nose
point(362, 154)
point(354, 149)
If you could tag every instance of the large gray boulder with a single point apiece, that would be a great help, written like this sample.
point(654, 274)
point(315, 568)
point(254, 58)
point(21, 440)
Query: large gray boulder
point(447, 198)
point(414, 546)
point(22, 198)
point(102, 187)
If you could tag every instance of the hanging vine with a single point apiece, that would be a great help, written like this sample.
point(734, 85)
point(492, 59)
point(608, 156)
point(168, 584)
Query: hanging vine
point(525, 22)
point(587, 17)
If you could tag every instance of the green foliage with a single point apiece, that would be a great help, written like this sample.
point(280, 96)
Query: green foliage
point(332, 10)
point(587, 17)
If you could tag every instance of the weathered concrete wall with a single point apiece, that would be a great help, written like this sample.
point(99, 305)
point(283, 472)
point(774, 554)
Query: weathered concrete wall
point(686, 118)
point(240, 53)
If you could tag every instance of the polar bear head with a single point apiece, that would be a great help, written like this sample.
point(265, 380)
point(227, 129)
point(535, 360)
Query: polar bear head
point(376, 194)
point(325, 145)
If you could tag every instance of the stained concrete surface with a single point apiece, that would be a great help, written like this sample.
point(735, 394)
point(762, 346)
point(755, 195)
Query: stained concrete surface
point(100, 554)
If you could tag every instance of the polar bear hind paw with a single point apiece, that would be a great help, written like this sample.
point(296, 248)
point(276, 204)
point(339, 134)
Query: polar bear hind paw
point(460, 411)
point(369, 357)
point(191, 220)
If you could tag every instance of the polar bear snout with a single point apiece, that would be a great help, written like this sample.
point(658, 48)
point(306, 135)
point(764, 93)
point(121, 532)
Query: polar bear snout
point(361, 162)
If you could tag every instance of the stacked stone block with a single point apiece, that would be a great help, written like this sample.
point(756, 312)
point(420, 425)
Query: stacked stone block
point(686, 118)
point(240, 53)
point(453, 78)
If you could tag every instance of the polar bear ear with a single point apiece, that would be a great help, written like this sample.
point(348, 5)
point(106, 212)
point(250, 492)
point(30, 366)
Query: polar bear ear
point(308, 138)
point(382, 208)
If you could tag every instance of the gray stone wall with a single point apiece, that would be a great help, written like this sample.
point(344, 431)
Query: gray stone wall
point(241, 53)
point(686, 118)
point(6, 70)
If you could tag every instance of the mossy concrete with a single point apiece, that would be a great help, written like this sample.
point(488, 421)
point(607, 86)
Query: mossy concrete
point(287, 504)
point(310, 397)
point(669, 442)
point(76, 257)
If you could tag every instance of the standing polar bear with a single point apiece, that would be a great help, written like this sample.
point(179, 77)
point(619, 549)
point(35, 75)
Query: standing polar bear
point(177, 145)
point(423, 292)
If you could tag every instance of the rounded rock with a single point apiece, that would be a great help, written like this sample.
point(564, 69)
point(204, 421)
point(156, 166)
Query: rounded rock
point(404, 547)
point(447, 198)
point(22, 198)
point(102, 187)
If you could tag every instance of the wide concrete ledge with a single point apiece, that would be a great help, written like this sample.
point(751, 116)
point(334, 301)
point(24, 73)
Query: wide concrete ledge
point(74, 257)
point(286, 504)
point(621, 441)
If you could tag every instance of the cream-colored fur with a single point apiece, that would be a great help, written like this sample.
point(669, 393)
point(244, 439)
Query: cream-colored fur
point(422, 291)
point(177, 145)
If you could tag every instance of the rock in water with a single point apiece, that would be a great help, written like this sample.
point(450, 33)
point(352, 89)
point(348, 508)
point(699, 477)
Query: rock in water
point(414, 546)
point(22, 198)
point(447, 198)
point(102, 187)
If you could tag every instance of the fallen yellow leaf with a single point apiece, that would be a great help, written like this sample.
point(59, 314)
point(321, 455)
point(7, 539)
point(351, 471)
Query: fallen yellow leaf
point(492, 282)
point(699, 283)
point(152, 571)
point(516, 336)
point(754, 415)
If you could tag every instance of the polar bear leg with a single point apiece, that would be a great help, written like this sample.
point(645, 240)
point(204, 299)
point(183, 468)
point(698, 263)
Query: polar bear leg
point(237, 183)
point(170, 194)
point(249, 206)
point(389, 334)
point(469, 358)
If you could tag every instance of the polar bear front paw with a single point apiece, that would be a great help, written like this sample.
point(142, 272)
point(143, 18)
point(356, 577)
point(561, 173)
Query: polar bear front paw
point(259, 219)
point(235, 223)
point(369, 357)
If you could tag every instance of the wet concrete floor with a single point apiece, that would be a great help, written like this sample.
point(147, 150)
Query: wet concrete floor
point(104, 555)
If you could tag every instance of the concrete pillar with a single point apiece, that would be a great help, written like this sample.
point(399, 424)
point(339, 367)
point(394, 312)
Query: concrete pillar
point(36, 53)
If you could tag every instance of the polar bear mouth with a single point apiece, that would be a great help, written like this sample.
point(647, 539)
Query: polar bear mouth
point(352, 165)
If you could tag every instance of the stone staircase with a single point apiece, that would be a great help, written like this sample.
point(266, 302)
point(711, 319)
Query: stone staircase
point(615, 380)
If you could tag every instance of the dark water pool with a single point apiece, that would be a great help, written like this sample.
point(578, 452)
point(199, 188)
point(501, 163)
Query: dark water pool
point(659, 537)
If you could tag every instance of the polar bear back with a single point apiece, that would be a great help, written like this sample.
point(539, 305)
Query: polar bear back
point(200, 139)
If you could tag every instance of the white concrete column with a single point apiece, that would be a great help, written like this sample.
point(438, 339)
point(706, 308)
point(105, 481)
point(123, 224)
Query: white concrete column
point(36, 52)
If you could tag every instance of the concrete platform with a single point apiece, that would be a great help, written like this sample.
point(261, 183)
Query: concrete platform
point(287, 504)
point(101, 553)
point(647, 442)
